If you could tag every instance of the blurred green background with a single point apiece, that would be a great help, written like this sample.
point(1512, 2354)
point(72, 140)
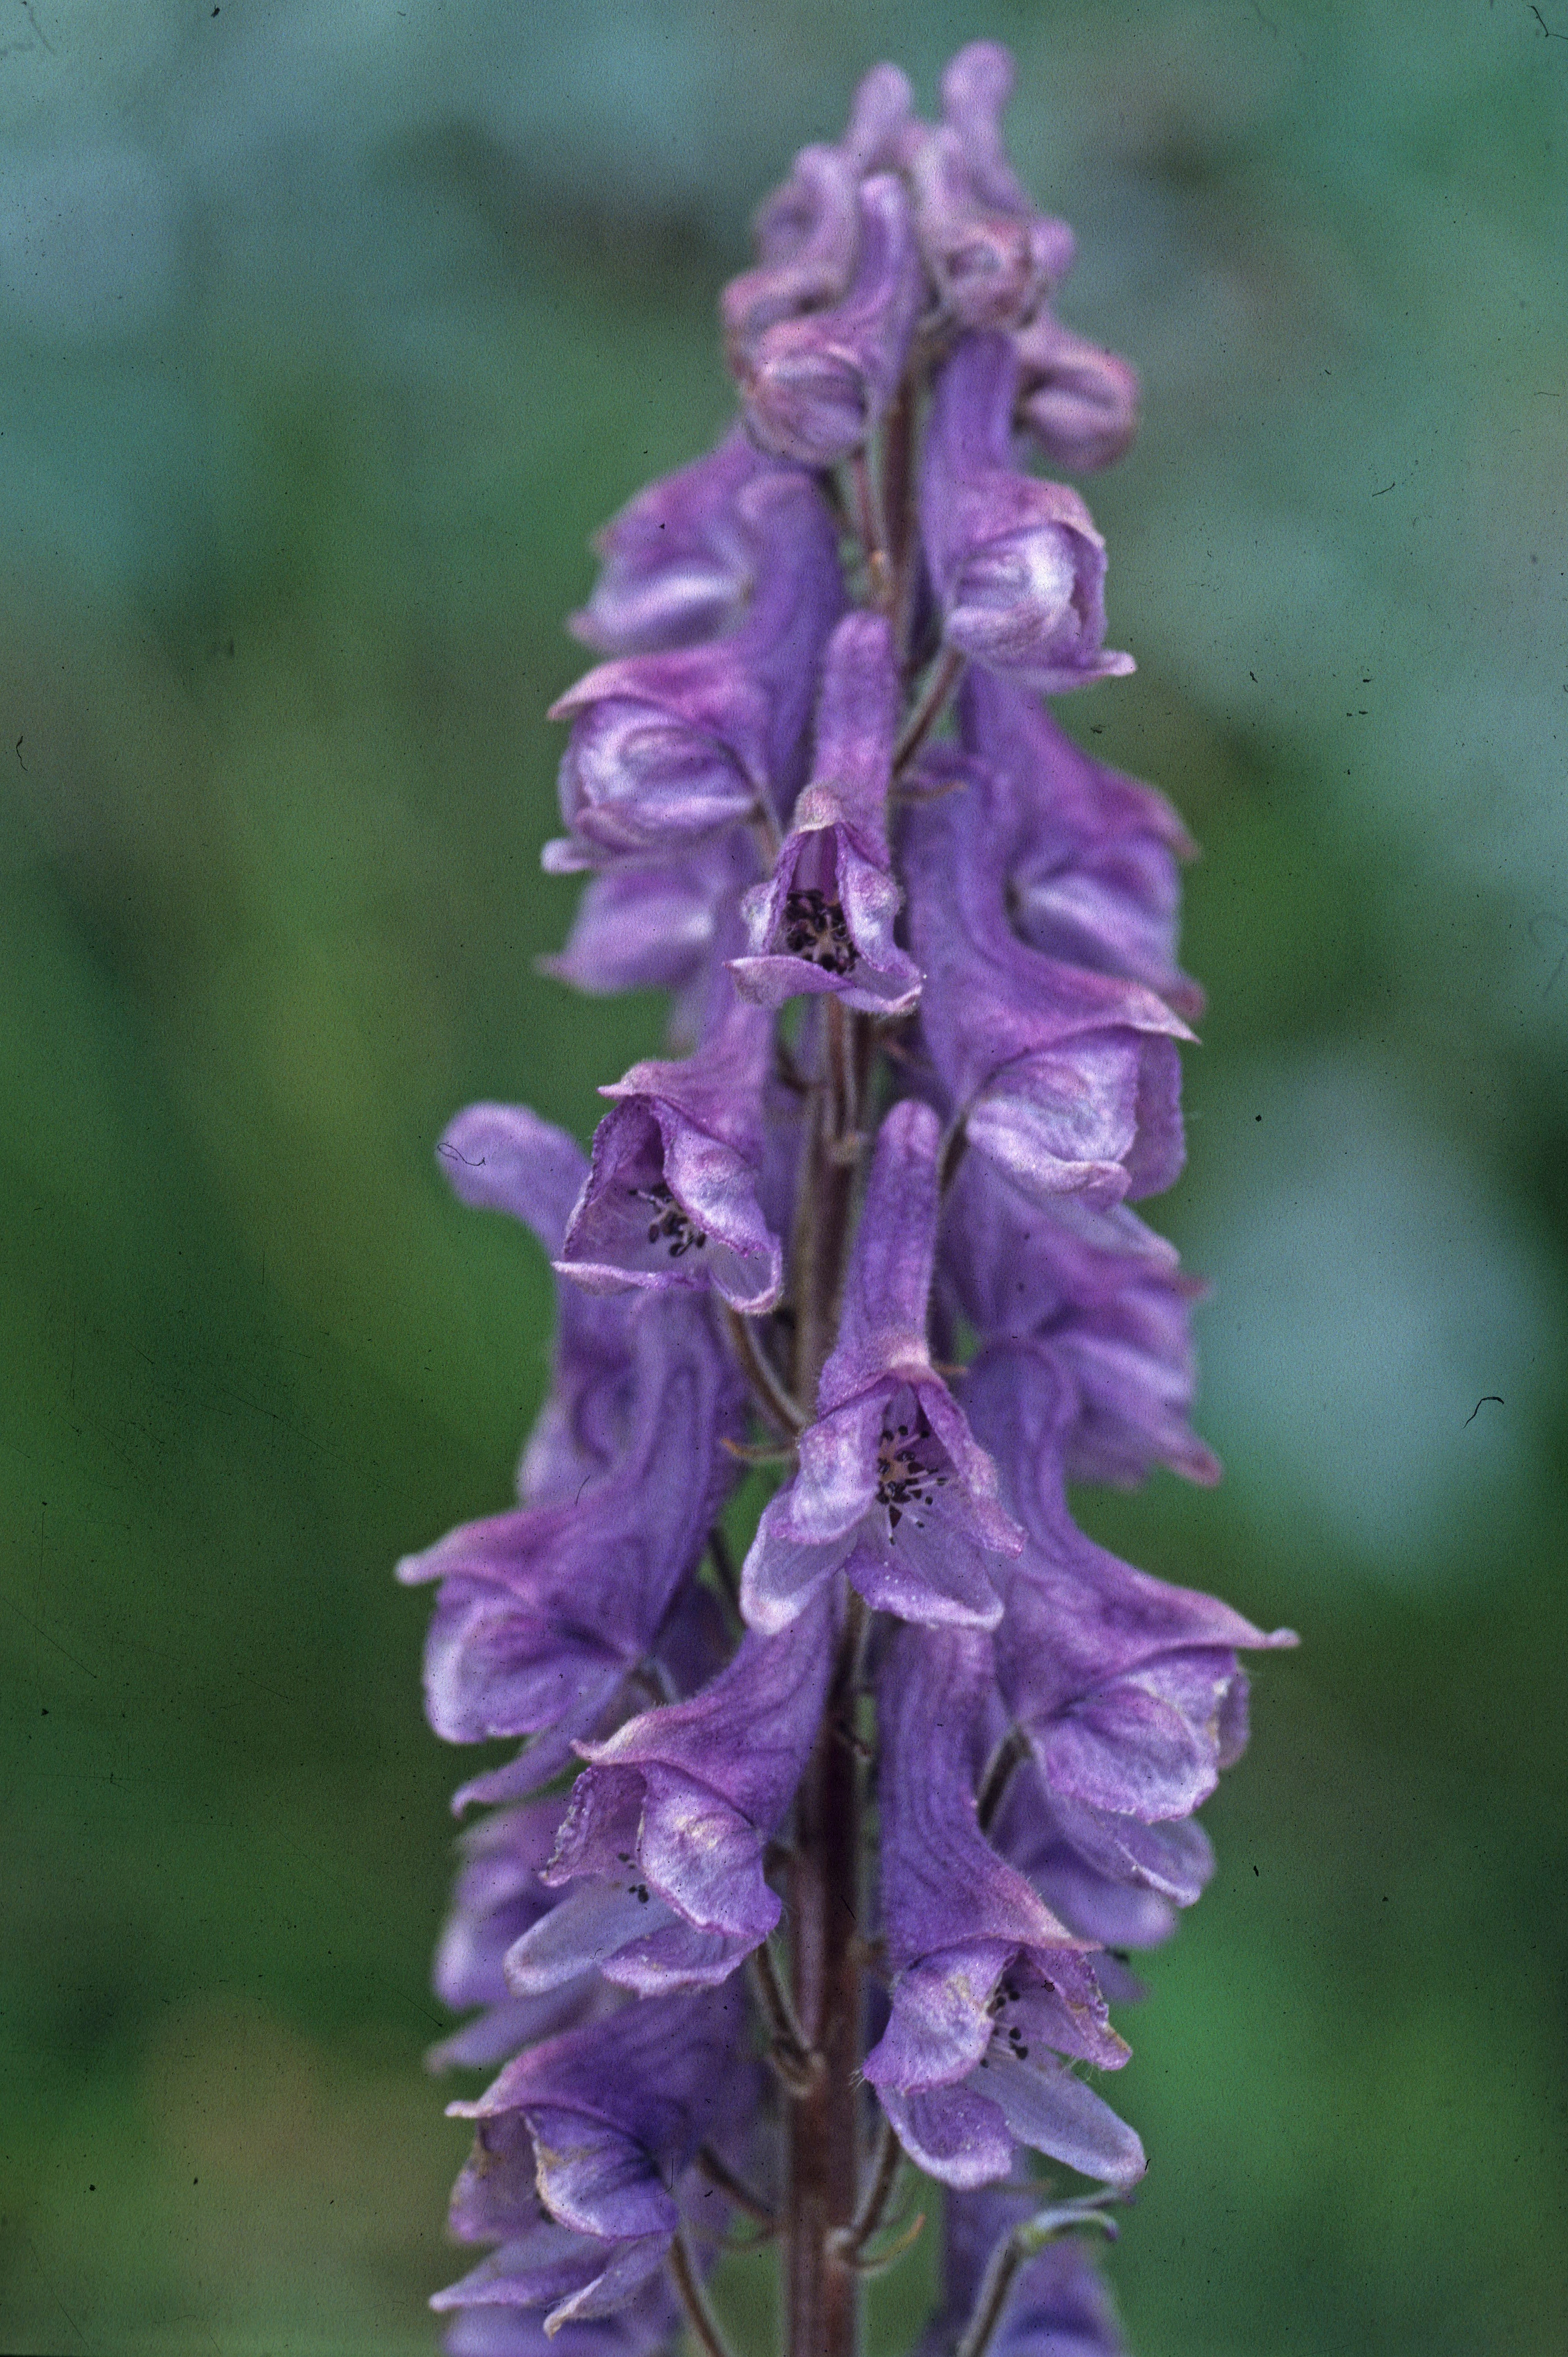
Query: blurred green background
point(328, 330)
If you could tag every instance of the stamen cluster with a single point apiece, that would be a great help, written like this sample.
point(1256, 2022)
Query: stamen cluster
point(869, 1224)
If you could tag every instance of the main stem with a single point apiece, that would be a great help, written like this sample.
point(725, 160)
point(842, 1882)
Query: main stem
point(822, 2282)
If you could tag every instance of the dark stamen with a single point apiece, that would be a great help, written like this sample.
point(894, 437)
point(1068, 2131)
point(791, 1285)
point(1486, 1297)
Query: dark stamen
point(815, 929)
point(670, 1222)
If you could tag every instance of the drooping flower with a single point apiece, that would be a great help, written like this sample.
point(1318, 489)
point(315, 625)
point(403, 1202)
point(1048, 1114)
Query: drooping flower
point(989, 253)
point(1107, 1301)
point(1066, 1079)
point(665, 926)
point(815, 378)
point(1089, 858)
point(1078, 402)
point(543, 1612)
point(1127, 1689)
point(823, 921)
point(1018, 566)
point(990, 1991)
point(672, 1201)
point(664, 1837)
point(598, 2125)
point(891, 1483)
point(678, 565)
point(498, 1895)
point(669, 751)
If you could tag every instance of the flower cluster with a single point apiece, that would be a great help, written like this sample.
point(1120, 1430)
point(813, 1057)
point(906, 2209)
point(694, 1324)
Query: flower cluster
point(869, 1223)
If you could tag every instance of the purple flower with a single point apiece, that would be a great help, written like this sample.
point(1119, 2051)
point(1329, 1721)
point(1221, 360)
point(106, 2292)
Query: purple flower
point(668, 750)
point(597, 2307)
point(976, 84)
point(666, 1829)
point(498, 1895)
point(1079, 403)
point(890, 1483)
point(1128, 1690)
point(671, 1200)
point(544, 1611)
point(1067, 1080)
point(1089, 857)
point(1018, 566)
point(679, 562)
point(1111, 1879)
point(1106, 1298)
point(605, 2120)
point(823, 921)
point(817, 367)
point(989, 1989)
point(990, 255)
point(504, 1158)
point(665, 926)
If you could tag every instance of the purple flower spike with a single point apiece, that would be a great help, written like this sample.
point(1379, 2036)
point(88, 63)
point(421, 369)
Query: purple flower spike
point(1018, 566)
point(1091, 856)
point(1067, 1080)
point(823, 922)
point(891, 1483)
point(988, 1987)
point(543, 1612)
point(671, 1197)
point(816, 382)
point(677, 564)
point(1079, 403)
point(930, 1171)
point(669, 751)
point(667, 1825)
point(1128, 1689)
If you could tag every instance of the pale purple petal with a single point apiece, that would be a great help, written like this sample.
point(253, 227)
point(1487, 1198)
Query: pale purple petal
point(668, 750)
point(677, 564)
point(1018, 566)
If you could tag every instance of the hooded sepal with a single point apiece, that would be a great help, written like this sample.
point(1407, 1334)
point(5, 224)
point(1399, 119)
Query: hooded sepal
point(1018, 566)
point(670, 750)
point(816, 376)
point(667, 1826)
point(891, 1481)
point(823, 921)
point(672, 1198)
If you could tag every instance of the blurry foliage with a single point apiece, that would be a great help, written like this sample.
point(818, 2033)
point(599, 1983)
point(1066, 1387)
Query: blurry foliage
point(330, 333)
